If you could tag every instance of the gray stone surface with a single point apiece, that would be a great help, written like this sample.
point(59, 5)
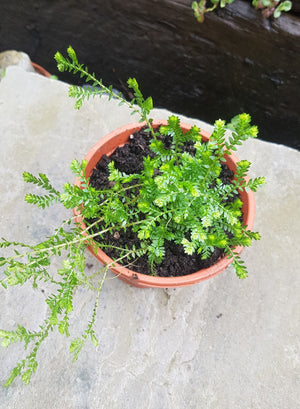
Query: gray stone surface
point(223, 343)
point(13, 57)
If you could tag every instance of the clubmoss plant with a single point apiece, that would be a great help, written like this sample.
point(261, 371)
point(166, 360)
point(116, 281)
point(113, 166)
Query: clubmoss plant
point(180, 198)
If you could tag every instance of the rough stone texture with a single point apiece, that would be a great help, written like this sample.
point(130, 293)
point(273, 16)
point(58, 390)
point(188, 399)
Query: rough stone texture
point(12, 57)
point(236, 61)
point(223, 343)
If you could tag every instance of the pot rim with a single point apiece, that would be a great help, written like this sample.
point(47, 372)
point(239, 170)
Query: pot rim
point(40, 70)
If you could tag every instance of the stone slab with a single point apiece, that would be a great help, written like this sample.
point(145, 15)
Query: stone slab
point(223, 343)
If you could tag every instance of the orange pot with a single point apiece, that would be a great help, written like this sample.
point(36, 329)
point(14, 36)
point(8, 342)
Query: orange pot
point(106, 146)
point(41, 70)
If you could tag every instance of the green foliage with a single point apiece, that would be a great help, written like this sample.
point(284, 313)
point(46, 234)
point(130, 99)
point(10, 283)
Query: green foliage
point(97, 88)
point(41, 181)
point(33, 265)
point(200, 8)
point(178, 197)
point(267, 7)
point(181, 204)
point(145, 105)
point(272, 7)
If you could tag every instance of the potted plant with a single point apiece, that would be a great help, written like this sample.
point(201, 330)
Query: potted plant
point(129, 273)
point(185, 193)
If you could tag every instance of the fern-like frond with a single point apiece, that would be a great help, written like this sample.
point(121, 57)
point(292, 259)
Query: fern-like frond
point(71, 64)
point(41, 181)
point(241, 129)
point(41, 201)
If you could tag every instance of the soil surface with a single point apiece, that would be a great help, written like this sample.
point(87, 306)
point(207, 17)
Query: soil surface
point(129, 159)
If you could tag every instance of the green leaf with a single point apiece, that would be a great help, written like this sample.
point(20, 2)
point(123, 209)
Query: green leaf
point(63, 327)
point(5, 342)
point(76, 347)
point(284, 6)
point(144, 206)
point(72, 55)
point(3, 261)
point(26, 376)
point(94, 340)
point(148, 104)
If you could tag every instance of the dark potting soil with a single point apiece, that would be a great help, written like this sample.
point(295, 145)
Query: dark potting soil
point(129, 159)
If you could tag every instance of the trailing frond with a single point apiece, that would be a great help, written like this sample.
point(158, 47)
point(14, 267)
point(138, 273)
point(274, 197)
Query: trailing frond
point(238, 264)
point(5, 243)
point(85, 197)
point(78, 343)
point(254, 184)
point(41, 201)
point(41, 181)
point(71, 64)
point(145, 104)
point(28, 366)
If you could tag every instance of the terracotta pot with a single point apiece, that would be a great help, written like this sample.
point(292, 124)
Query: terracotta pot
point(106, 146)
point(41, 70)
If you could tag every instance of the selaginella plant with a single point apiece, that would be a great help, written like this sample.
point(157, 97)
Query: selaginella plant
point(178, 196)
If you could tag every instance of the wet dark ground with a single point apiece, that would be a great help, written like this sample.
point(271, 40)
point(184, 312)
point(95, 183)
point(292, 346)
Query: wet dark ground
point(236, 61)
